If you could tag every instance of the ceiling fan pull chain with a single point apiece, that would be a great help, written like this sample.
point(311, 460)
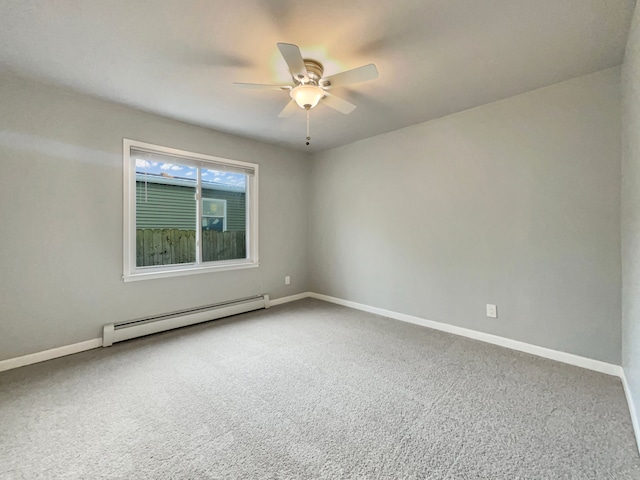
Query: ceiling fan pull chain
point(308, 136)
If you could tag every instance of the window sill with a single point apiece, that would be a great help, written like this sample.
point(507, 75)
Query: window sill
point(182, 271)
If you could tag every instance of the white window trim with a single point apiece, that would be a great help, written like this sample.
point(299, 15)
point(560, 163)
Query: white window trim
point(133, 273)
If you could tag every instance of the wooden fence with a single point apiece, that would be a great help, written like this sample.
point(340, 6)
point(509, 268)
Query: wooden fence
point(168, 247)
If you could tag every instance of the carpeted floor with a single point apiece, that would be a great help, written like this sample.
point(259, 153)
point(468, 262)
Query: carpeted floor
point(312, 390)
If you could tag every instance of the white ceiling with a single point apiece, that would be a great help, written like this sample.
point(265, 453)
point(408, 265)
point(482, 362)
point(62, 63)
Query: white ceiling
point(178, 58)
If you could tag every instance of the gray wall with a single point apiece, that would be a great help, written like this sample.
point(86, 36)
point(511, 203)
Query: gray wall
point(631, 213)
point(515, 203)
point(61, 217)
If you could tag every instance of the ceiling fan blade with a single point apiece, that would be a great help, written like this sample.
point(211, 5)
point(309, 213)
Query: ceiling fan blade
point(293, 57)
point(289, 109)
point(338, 104)
point(357, 75)
point(260, 86)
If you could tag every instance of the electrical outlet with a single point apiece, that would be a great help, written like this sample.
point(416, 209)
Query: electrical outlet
point(287, 280)
point(492, 311)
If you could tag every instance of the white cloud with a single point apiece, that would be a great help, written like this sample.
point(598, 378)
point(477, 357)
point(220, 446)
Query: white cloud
point(188, 174)
point(166, 166)
point(176, 167)
point(217, 179)
point(205, 173)
point(142, 163)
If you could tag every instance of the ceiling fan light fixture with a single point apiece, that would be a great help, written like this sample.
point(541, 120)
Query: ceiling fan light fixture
point(307, 96)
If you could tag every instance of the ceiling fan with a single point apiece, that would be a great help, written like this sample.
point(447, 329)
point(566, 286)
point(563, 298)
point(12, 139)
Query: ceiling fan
point(310, 87)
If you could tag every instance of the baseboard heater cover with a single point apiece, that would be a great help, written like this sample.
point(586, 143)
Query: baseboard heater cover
point(117, 332)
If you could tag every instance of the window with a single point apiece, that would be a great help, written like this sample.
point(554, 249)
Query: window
point(187, 213)
point(214, 214)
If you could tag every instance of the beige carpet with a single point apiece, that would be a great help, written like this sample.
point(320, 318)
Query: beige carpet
point(312, 390)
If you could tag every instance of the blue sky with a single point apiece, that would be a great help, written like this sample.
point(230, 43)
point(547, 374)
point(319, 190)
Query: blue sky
point(188, 172)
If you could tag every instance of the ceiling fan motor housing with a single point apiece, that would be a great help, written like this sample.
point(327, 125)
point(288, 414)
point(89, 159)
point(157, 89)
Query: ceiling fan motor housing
point(314, 71)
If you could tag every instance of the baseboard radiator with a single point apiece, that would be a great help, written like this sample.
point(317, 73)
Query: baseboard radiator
point(117, 332)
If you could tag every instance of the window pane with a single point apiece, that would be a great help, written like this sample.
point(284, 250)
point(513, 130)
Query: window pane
point(213, 207)
point(165, 213)
point(224, 221)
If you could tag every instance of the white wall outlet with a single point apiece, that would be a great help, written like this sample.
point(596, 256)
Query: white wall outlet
point(287, 280)
point(492, 311)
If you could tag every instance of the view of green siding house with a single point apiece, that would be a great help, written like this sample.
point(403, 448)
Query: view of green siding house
point(169, 203)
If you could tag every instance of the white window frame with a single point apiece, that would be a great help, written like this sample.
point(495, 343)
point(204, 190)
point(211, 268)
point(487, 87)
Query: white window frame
point(131, 272)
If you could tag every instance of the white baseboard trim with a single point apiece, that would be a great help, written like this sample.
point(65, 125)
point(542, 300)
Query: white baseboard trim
point(635, 421)
point(559, 356)
point(49, 354)
point(291, 298)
